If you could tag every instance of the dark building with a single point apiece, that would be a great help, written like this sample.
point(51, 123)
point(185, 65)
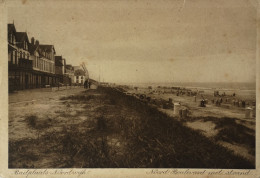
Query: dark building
point(19, 63)
point(69, 71)
point(30, 65)
point(34, 65)
point(43, 64)
point(60, 70)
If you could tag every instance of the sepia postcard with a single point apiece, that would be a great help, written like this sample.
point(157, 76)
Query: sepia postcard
point(129, 88)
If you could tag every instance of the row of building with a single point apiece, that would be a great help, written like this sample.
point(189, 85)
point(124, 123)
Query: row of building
point(35, 65)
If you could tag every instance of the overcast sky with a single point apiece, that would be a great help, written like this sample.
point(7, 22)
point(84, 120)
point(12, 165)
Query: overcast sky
point(147, 41)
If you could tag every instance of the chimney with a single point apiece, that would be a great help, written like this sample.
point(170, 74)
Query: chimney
point(32, 40)
point(37, 42)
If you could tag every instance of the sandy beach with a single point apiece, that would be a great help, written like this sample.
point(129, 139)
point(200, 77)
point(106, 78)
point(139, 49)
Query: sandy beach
point(226, 124)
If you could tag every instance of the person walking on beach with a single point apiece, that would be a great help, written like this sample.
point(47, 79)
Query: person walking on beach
point(85, 84)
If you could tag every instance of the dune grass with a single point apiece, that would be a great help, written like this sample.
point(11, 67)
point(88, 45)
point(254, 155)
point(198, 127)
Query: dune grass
point(165, 142)
point(147, 139)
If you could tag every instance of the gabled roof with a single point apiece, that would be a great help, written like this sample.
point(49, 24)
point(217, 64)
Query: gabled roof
point(11, 28)
point(32, 48)
point(22, 36)
point(79, 72)
point(47, 48)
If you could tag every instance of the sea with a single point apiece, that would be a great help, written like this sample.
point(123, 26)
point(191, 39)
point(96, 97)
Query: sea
point(244, 90)
point(202, 85)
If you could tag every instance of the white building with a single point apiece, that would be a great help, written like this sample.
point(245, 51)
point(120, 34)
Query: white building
point(79, 75)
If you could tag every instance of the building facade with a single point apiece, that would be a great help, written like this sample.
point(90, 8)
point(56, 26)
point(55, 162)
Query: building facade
point(35, 65)
point(60, 71)
point(19, 62)
point(80, 75)
point(69, 71)
point(30, 65)
point(43, 64)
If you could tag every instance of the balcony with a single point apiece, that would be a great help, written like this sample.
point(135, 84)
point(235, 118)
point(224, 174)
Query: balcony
point(23, 63)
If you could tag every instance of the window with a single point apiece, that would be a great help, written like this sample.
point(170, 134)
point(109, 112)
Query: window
point(14, 54)
point(11, 57)
point(21, 54)
point(16, 57)
point(28, 56)
point(11, 38)
point(77, 77)
point(24, 55)
point(25, 45)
